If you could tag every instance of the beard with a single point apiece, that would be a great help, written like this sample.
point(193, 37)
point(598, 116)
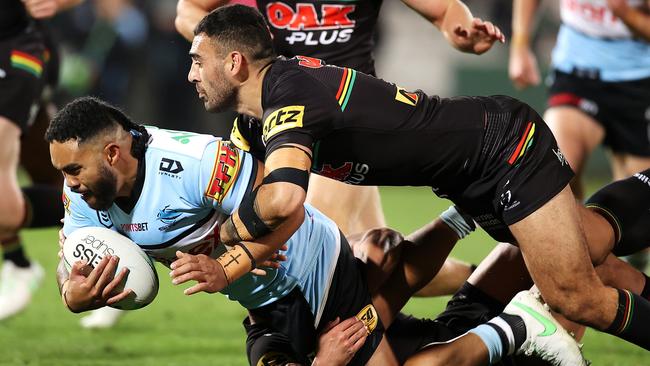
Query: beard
point(102, 194)
point(224, 99)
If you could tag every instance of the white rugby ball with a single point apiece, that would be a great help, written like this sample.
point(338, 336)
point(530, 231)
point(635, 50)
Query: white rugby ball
point(93, 243)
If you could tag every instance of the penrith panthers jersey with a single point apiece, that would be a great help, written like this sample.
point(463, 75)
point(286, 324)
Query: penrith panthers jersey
point(187, 185)
point(339, 31)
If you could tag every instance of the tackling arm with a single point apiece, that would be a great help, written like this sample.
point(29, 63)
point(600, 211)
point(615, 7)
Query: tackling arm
point(190, 12)
point(277, 200)
point(458, 25)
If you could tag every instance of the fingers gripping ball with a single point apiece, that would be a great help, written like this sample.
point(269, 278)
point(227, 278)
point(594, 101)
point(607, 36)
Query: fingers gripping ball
point(91, 244)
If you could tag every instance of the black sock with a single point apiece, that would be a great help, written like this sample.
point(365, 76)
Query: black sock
point(624, 204)
point(13, 251)
point(517, 327)
point(43, 206)
point(632, 319)
point(646, 288)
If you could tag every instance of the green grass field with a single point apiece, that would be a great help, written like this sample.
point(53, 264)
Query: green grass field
point(206, 329)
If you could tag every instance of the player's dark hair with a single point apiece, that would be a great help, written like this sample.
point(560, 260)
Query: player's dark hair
point(88, 117)
point(238, 27)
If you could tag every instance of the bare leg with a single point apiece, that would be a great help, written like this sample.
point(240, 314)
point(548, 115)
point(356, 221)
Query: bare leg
point(449, 279)
point(577, 135)
point(555, 258)
point(355, 209)
point(467, 350)
point(12, 205)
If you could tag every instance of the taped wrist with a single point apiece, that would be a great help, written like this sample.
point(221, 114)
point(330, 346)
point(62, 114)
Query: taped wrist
point(249, 217)
point(289, 175)
point(625, 204)
point(460, 223)
point(236, 262)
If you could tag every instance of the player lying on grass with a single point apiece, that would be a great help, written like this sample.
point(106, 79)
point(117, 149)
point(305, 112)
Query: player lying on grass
point(170, 197)
point(494, 157)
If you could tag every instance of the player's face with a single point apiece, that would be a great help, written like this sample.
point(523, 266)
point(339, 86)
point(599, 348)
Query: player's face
point(85, 172)
point(208, 75)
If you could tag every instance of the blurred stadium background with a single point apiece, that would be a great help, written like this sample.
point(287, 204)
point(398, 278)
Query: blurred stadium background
point(129, 53)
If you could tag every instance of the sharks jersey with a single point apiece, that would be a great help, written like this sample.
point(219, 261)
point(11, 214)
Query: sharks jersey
point(186, 186)
point(593, 39)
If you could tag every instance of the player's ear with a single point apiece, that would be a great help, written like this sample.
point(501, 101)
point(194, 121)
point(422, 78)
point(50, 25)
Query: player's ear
point(235, 65)
point(112, 153)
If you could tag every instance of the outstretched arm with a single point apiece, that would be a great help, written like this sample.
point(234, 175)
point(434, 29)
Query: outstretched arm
point(190, 12)
point(458, 25)
point(41, 9)
point(522, 68)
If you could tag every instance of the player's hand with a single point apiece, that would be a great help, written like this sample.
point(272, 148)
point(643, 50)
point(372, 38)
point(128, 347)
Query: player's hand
point(479, 37)
point(273, 262)
point(89, 288)
point(340, 341)
point(200, 268)
point(41, 9)
point(522, 67)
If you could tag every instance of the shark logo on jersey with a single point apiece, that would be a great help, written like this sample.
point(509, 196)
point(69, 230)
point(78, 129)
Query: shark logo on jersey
point(168, 217)
point(105, 219)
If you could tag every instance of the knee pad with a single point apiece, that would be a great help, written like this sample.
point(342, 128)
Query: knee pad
point(626, 205)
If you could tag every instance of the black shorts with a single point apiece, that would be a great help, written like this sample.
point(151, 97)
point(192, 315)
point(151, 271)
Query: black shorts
point(519, 168)
point(284, 331)
point(468, 308)
point(622, 108)
point(26, 65)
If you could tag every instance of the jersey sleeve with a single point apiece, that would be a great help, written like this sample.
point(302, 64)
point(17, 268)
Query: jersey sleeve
point(297, 110)
point(225, 173)
point(78, 214)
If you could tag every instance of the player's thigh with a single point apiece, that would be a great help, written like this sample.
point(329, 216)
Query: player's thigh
point(577, 133)
point(353, 208)
point(383, 355)
point(554, 248)
point(463, 351)
point(11, 205)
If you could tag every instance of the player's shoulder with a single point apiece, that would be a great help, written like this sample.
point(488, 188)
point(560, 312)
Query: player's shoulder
point(181, 145)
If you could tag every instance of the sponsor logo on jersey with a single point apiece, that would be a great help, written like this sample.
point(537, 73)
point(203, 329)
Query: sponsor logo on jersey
point(308, 27)
point(224, 172)
point(406, 97)
point(368, 316)
point(282, 119)
point(66, 202)
point(140, 226)
point(170, 168)
point(105, 219)
point(349, 172)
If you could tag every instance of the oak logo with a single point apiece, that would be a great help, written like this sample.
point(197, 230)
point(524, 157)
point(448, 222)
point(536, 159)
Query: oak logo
point(368, 316)
point(283, 119)
point(406, 97)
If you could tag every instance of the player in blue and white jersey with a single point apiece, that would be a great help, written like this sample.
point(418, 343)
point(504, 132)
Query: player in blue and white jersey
point(168, 191)
point(600, 80)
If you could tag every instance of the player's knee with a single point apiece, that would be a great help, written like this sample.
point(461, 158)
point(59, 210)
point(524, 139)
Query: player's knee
point(12, 215)
point(384, 238)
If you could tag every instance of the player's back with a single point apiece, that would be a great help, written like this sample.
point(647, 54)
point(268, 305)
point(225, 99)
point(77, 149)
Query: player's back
point(362, 127)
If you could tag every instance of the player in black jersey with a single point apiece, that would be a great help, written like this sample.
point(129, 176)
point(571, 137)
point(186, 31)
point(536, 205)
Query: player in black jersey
point(493, 156)
point(27, 64)
point(342, 33)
